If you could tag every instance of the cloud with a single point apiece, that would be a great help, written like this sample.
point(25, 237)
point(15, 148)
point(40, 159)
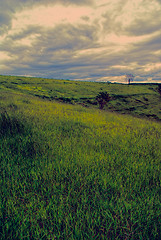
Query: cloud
point(53, 49)
point(81, 39)
point(135, 18)
point(62, 2)
point(9, 7)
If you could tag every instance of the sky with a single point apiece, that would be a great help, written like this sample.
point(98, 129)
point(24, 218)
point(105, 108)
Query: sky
point(88, 40)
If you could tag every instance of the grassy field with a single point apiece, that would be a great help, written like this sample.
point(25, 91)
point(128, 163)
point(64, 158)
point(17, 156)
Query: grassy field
point(72, 171)
point(138, 100)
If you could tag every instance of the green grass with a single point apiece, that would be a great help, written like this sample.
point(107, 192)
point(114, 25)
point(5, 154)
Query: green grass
point(142, 100)
point(70, 172)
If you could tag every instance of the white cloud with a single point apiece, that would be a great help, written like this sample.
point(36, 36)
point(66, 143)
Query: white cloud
point(112, 79)
point(49, 16)
point(4, 56)
point(152, 67)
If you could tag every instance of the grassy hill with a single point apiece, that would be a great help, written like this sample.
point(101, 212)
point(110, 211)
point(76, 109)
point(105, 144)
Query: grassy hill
point(141, 100)
point(75, 172)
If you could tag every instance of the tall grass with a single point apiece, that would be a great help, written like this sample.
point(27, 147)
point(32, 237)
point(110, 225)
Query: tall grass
point(68, 172)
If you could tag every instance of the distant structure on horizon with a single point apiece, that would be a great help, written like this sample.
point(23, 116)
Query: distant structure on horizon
point(129, 78)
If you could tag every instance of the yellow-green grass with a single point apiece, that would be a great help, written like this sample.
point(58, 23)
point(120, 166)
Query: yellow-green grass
point(141, 100)
point(69, 172)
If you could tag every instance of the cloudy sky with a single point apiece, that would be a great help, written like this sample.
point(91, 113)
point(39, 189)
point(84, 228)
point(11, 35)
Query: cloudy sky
point(94, 40)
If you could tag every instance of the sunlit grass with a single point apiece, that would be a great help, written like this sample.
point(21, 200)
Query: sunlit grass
point(69, 172)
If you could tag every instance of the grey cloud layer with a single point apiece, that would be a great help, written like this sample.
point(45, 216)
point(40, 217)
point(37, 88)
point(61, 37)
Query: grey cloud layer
point(70, 50)
point(53, 49)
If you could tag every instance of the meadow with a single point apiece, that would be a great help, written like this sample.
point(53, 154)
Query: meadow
point(72, 171)
point(141, 100)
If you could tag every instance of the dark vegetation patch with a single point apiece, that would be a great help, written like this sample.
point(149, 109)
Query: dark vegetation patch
point(43, 96)
point(146, 99)
point(17, 137)
point(153, 116)
point(14, 82)
point(64, 99)
point(159, 89)
point(10, 125)
point(13, 106)
point(26, 101)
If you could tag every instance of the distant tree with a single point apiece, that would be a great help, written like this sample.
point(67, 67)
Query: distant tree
point(102, 98)
point(129, 78)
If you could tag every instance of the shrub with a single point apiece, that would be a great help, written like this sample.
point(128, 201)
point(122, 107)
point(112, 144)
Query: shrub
point(102, 98)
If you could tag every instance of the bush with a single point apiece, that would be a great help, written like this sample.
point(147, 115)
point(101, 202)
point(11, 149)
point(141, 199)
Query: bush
point(102, 98)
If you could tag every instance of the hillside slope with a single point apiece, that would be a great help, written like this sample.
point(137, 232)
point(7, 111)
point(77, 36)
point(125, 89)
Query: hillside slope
point(72, 172)
point(142, 100)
